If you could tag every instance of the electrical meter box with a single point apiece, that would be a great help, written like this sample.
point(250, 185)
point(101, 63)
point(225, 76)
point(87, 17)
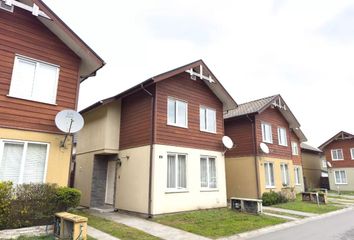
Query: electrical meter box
point(70, 226)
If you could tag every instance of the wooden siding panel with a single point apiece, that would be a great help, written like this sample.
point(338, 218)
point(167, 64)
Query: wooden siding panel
point(21, 33)
point(345, 145)
point(196, 93)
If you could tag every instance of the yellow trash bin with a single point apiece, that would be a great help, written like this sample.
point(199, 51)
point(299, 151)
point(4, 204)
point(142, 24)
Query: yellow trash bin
point(70, 226)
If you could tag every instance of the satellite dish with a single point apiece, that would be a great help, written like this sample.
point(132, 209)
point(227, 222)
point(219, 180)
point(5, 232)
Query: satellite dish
point(69, 121)
point(227, 141)
point(329, 164)
point(264, 148)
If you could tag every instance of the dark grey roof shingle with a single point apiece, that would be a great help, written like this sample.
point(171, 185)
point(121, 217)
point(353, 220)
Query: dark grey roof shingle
point(309, 147)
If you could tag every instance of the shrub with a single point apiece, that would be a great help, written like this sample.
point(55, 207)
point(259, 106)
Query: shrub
point(5, 202)
point(288, 194)
point(67, 198)
point(272, 198)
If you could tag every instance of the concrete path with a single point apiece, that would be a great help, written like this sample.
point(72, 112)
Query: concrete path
point(95, 233)
point(342, 195)
point(304, 214)
point(152, 228)
point(280, 216)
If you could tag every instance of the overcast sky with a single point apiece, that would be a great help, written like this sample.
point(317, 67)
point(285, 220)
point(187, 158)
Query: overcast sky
point(303, 50)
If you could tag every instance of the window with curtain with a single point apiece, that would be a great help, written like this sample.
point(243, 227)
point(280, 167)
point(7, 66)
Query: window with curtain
point(297, 176)
point(34, 80)
point(23, 162)
point(267, 133)
point(340, 177)
point(269, 174)
point(208, 177)
point(284, 174)
point(207, 119)
point(176, 171)
point(177, 112)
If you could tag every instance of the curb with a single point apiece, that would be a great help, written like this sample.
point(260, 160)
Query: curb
point(282, 226)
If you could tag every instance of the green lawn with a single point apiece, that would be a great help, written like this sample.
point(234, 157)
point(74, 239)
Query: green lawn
point(351, 193)
point(118, 230)
point(216, 223)
point(299, 205)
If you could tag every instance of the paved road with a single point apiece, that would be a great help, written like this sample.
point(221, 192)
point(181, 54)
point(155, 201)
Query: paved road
point(337, 227)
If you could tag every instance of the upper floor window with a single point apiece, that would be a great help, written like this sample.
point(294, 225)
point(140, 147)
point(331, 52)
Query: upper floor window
point(34, 80)
point(177, 113)
point(23, 162)
point(176, 171)
point(294, 148)
point(207, 119)
point(208, 172)
point(324, 164)
point(352, 153)
point(337, 154)
point(282, 140)
point(267, 133)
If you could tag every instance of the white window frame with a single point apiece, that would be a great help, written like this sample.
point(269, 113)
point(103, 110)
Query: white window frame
point(352, 153)
point(294, 148)
point(263, 124)
point(37, 63)
point(340, 176)
point(206, 118)
point(324, 164)
point(177, 189)
point(336, 150)
point(280, 130)
point(297, 174)
point(23, 159)
point(285, 174)
point(208, 188)
point(269, 175)
point(175, 124)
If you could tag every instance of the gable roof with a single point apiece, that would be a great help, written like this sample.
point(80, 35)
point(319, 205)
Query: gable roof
point(259, 105)
point(90, 61)
point(216, 87)
point(339, 136)
point(307, 147)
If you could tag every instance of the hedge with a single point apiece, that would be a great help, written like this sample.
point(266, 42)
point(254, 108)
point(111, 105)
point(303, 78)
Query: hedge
point(29, 205)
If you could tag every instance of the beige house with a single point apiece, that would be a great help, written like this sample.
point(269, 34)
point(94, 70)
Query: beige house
point(311, 166)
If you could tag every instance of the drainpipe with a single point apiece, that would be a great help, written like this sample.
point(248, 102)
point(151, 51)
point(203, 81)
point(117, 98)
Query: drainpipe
point(151, 148)
point(254, 142)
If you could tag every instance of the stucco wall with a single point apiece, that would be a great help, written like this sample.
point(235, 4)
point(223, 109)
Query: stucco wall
point(58, 159)
point(194, 198)
point(133, 180)
point(344, 187)
point(83, 177)
point(312, 169)
point(241, 182)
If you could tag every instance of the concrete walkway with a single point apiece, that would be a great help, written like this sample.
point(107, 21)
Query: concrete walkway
point(303, 214)
point(152, 228)
point(280, 216)
point(93, 232)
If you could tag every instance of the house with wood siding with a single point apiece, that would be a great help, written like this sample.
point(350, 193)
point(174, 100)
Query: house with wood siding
point(250, 171)
point(338, 151)
point(156, 148)
point(42, 63)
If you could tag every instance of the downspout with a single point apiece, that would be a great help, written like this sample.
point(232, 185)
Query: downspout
point(151, 148)
point(254, 142)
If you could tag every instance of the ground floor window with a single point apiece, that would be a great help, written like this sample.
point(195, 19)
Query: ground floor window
point(340, 177)
point(297, 176)
point(23, 162)
point(208, 172)
point(269, 174)
point(176, 171)
point(284, 174)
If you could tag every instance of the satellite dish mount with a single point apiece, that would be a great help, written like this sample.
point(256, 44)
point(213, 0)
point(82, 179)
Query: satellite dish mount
point(69, 122)
point(264, 148)
point(228, 143)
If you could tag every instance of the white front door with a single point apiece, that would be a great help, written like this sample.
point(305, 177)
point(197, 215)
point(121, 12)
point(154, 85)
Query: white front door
point(111, 172)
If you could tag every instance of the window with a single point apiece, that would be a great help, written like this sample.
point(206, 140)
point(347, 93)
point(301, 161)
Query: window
point(177, 113)
point(34, 80)
point(324, 164)
point(6, 7)
point(284, 174)
point(208, 172)
point(282, 140)
point(352, 153)
point(297, 176)
point(23, 162)
point(176, 171)
point(340, 177)
point(295, 148)
point(207, 119)
point(267, 133)
point(337, 154)
point(269, 175)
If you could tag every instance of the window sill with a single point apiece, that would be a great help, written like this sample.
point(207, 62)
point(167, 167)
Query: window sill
point(270, 187)
point(169, 191)
point(209, 190)
point(283, 145)
point(267, 142)
point(206, 131)
point(175, 125)
point(337, 160)
point(32, 100)
point(297, 184)
point(341, 183)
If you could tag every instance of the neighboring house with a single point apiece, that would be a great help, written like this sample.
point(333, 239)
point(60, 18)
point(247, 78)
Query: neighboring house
point(339, 152)
point(156, 148)
point(42, 63)
point(249, 171)
point(311, 166)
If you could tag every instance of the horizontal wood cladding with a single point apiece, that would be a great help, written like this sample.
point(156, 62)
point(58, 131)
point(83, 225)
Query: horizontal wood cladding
point(195, 93)
point(136, 120)
point(240, 131)
point(22, 33)
point(345, 145)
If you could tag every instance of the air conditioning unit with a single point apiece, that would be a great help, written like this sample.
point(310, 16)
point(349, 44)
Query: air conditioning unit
point(70, 226)
point(6, 7)
point(247, 205)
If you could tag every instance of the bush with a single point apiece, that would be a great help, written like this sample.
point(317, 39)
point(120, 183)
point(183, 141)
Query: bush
point(272, 198)
point(33, 204)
